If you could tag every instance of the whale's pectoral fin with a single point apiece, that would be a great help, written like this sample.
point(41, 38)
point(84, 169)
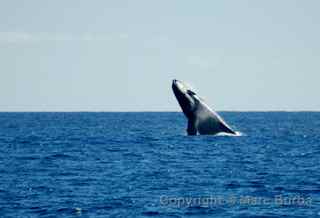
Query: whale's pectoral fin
point(226, 128)
point(192, 130)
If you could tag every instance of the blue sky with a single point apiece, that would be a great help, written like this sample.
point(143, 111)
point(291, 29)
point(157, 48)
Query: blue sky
point(122, 55)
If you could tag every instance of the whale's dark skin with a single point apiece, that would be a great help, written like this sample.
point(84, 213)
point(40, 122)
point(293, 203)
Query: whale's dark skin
point(201, 118)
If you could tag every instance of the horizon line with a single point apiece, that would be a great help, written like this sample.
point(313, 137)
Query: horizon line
point(146, 111)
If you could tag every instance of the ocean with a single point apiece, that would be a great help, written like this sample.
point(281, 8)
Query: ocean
point(111, 164)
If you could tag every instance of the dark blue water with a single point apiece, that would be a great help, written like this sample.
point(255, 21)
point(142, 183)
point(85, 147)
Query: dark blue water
point(144, 165)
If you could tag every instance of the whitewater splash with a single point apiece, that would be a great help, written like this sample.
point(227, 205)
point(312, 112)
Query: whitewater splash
point(229, 134)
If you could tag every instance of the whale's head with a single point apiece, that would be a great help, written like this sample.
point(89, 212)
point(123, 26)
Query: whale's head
point(186, 97)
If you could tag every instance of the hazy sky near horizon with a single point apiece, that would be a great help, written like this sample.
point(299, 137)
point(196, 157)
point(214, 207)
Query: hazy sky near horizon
point(118, 55)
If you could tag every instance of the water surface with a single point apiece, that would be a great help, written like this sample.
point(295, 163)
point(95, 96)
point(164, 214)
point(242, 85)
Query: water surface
point(143, 164)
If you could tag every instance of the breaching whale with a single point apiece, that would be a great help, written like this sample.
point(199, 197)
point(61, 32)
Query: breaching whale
point(201, 118)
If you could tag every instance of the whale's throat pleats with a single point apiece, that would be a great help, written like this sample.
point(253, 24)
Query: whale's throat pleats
point(192, 130)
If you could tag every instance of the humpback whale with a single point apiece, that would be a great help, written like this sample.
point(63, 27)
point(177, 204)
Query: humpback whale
point(201, 118)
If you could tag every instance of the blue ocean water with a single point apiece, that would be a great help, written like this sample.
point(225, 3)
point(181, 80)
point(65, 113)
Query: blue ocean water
point(144, 165)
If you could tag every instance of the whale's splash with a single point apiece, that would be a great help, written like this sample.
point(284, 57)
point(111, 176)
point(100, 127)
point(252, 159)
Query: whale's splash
point(229, 134)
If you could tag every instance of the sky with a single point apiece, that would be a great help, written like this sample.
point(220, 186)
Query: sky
point(117, 55)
